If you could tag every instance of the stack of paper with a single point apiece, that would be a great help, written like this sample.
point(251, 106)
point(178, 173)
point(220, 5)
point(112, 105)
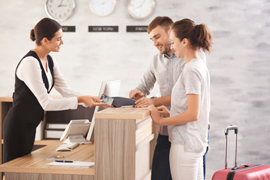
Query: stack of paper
point(72, 164)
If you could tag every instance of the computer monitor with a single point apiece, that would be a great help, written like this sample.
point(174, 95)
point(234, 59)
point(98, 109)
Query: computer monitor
point(109, 88)
point(75, 131)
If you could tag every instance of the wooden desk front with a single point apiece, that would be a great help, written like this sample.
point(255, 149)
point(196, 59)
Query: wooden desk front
point(124, 144)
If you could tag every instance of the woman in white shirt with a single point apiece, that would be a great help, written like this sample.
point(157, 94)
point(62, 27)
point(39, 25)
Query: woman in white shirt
point(36, 74)
point(190, 102)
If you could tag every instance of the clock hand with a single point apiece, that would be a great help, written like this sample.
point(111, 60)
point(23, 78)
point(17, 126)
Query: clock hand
point(140, 5)
point(60, 3)
point(104, 2)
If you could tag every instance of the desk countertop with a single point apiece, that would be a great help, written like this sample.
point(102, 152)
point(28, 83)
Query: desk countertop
point(36, 161)
point(123, 113)
point(6, 99)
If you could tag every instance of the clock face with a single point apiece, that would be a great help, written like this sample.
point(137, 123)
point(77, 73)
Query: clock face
point(141, 9)
point(102, 7)
point(59, 10)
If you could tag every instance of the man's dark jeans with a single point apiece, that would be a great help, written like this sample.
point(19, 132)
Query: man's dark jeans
point(161, 164)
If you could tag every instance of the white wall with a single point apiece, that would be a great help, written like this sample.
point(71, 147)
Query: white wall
point(239, 63)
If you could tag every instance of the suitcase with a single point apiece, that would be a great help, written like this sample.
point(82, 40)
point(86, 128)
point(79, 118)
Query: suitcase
point(242, 172)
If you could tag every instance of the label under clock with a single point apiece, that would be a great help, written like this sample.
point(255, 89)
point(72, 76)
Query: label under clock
point(137, 28)
point(68, 28)
point(102, 28)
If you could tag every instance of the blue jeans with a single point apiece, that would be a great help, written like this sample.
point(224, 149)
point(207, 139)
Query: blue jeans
point(204, 165)
point(161, 164)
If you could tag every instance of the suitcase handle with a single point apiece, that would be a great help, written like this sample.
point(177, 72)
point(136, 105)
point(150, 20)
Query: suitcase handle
point(235, 128)
point(231, 127)
point(237, 167)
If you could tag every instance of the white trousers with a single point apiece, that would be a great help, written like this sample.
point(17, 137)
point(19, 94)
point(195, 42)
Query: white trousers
point(185, 165)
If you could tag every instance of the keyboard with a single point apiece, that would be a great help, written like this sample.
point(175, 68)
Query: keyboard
point(67, 147)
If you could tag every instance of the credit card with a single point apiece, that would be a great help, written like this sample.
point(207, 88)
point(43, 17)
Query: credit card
point(106, 99)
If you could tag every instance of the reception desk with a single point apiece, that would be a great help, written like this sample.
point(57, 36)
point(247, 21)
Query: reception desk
point(124, 141)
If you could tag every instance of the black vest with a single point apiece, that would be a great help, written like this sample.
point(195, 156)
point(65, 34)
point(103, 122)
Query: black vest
point(25, 106)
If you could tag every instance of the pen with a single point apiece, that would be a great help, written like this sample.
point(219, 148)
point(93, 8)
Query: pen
point(63, 161)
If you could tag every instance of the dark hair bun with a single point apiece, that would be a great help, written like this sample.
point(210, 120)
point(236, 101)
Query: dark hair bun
point(32, 35)
point(45, 28)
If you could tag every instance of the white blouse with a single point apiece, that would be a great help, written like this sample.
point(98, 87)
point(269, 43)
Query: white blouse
point(29, 72)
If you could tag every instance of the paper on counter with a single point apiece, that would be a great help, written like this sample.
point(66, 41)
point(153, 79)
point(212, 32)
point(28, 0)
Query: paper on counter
point(73, 164)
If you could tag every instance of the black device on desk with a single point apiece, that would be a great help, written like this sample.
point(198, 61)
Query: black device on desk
point(117, 101)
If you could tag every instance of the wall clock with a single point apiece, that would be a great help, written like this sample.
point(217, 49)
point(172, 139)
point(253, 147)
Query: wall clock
point(141, 9)
point(59, 10)
point(102, 7)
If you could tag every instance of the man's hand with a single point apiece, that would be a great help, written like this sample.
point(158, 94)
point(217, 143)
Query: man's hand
point(143, 102)
point(136, 94)
point(163, 111)
point(155, 114)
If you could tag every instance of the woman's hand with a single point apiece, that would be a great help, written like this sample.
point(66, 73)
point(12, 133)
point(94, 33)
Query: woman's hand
point(91, 101)
point(155, 115)
point(163, 111)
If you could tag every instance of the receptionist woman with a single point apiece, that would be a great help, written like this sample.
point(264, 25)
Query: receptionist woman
point(35, 76)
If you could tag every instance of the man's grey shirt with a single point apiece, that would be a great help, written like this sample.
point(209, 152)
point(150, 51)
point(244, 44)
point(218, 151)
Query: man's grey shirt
point(165, 70)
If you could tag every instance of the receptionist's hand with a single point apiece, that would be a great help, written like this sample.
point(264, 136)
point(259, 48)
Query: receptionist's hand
point(98, 102)
point(143, 102)
point(155, 115)
point(92, 101)
point(136, 94)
